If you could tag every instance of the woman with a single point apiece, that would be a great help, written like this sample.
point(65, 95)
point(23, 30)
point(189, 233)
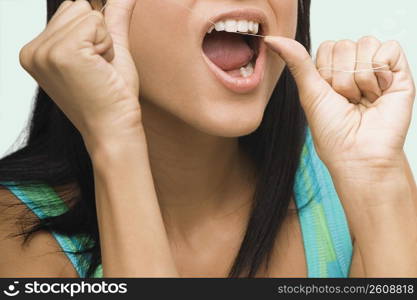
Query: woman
point(213, 172)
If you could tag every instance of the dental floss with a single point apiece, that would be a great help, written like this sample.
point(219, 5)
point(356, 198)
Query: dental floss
point(373, 69)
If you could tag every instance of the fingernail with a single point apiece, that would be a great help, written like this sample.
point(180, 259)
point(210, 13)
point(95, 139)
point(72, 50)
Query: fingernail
point(269, 40)
point(383, 83)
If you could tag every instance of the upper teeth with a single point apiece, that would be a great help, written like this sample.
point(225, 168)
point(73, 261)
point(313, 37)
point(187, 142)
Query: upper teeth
point(235, 26)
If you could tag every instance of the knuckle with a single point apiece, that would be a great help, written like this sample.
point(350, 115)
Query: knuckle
point(65, 4)
point(368, 40)
point(325, 47)
point(56, 57)
point(345, 44)
point(327, 44)
point(96, 17)
point(83, 6)
point(39, 58)
point(393, 44)
point(25, 57)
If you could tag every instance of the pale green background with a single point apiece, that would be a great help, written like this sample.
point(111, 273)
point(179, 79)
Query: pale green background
point(21, 20)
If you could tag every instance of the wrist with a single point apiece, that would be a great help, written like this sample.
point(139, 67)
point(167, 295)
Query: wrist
point(366, 170)
point(368, 191)
point(107, 148)
point(380, 213)
point(378, 201)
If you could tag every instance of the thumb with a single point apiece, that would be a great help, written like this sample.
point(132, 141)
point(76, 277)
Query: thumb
point(117, 15)
point(309, 82)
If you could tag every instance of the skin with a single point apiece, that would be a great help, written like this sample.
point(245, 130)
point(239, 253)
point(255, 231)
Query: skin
point(172, 190)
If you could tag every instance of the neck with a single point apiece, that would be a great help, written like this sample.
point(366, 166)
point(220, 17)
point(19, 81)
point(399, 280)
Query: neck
point(196, 175)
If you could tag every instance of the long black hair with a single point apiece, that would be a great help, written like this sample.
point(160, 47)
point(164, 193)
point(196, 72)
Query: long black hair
point(54, 154)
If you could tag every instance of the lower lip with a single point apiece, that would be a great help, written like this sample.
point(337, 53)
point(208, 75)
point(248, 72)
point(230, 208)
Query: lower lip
point(241, 85)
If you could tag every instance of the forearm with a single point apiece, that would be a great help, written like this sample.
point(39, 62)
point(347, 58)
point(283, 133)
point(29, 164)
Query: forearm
point(380, 207)
point(133, 238)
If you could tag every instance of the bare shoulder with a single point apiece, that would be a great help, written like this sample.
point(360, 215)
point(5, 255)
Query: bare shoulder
point(40, 257)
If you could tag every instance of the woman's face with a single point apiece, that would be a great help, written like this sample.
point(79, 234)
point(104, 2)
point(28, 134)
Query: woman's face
point(205, 79)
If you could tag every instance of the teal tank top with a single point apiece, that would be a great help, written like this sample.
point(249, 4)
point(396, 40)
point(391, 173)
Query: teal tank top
point(326, 237)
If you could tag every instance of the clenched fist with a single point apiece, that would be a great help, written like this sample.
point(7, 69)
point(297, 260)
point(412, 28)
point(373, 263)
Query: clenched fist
point(82, 61)
point(357, 119)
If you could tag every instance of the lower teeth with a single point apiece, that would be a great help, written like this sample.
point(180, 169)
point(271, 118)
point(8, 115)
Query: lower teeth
point(247, 70)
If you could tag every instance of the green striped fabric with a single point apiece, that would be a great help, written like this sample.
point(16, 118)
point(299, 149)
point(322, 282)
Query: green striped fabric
point(327, 241)
point(44, 202)
point(326, 238)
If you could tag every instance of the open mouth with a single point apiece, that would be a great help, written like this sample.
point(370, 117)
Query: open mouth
point(232, 52)
point(236, 59)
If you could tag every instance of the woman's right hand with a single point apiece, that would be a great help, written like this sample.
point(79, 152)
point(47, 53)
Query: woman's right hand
point(82, 61)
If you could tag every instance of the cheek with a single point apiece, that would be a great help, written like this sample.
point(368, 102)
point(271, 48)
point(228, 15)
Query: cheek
point(160, 46)
point(286, 16)
point(285, 24)
point(165, 49)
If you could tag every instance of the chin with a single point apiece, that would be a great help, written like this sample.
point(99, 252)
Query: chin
point(229, 124)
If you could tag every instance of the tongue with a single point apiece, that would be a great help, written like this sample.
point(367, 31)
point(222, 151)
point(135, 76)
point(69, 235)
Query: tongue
point(228, 51)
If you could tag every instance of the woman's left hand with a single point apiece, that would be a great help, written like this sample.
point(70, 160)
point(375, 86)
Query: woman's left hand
point(359, 122)
point(360, 119)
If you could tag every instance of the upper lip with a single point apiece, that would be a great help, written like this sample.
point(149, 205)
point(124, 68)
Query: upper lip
point(250, 14)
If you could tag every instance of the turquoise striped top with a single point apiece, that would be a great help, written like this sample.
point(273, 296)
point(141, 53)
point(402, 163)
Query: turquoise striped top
point(326, 238)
